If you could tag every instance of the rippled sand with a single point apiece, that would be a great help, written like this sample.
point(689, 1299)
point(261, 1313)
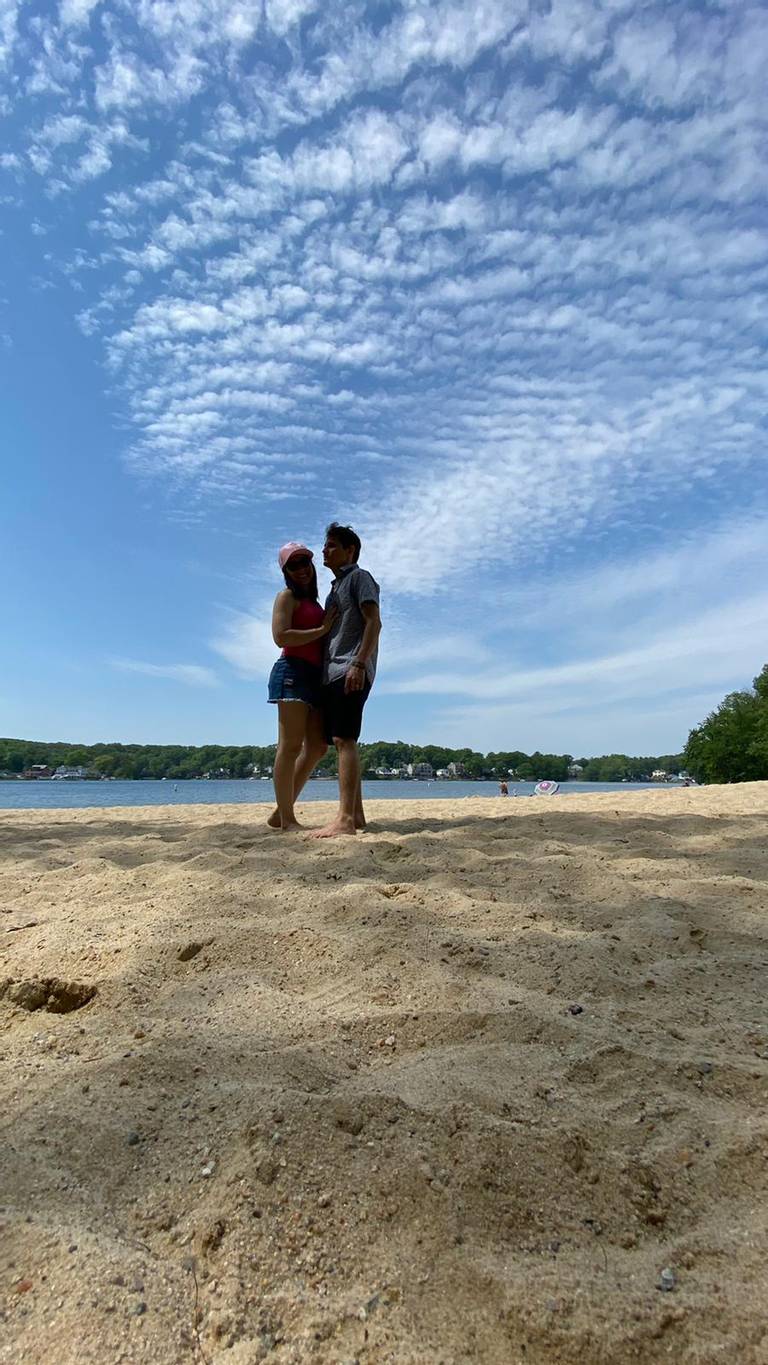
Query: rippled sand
point(456, 1090)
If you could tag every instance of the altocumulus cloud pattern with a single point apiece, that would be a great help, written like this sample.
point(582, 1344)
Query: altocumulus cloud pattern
point(491, 272)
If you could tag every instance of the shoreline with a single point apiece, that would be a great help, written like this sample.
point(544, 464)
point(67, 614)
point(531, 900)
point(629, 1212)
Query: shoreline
point(457, 1088)
point(741, 797)
point(44, 796)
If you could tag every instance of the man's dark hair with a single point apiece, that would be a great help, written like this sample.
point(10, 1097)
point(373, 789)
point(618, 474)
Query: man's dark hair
point(345, 536)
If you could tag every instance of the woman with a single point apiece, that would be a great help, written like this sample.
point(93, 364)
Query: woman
point(298, 626)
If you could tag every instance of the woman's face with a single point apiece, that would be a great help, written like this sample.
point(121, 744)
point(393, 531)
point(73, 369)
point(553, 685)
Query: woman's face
point(299, 567)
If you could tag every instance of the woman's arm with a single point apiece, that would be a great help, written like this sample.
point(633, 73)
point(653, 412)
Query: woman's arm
point(282, 615)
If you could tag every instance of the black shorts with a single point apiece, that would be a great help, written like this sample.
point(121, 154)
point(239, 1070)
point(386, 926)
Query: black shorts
point(342, 711)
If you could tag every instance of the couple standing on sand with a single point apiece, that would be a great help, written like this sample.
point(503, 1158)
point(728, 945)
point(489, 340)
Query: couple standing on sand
point(323, 677)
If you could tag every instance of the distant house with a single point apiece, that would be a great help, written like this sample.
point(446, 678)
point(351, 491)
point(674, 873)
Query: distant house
point(456, 770)
point(659, 775)
point(66, 774)
point(575, 770)
point(422, 771)
point(37, 770)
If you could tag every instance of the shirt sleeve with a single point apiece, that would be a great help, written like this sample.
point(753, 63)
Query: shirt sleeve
point(365, 588)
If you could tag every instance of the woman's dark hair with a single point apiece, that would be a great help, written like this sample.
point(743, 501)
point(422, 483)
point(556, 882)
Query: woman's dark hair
point(311, 589)
point(346, 537)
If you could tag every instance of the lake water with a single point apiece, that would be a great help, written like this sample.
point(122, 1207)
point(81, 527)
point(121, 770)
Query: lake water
point(76, 795)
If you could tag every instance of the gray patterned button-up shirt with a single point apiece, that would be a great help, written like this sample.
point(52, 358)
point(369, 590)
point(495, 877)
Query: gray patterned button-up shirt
point(351, 588)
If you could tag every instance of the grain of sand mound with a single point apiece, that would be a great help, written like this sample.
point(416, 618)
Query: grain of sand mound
point(460, 1089)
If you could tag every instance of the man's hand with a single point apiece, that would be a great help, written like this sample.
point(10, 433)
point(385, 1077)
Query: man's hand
point(354, 678)
point(330, 619)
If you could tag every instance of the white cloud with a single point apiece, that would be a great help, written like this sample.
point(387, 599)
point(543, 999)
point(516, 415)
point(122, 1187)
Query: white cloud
point(283, 15)
point(124, 82)
point(713, 646)
point(622, 594)
point(573, 31)
point(9, 14)
point(490, 278)
point(192, 675)
point(77, 12)
point(436, 35)
point(246, 643)
point(683, 623)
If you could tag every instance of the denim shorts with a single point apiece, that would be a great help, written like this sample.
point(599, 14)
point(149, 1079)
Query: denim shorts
point(295, 680)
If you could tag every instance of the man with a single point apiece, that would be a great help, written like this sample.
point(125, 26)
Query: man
point(349, 669)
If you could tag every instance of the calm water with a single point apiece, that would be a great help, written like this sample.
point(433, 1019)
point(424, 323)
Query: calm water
point(74, 795)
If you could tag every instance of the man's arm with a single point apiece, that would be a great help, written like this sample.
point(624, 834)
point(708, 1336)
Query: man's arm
point(354, 680)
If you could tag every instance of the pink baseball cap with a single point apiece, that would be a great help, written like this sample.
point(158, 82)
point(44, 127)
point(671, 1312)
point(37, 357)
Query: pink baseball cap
point(287, 552)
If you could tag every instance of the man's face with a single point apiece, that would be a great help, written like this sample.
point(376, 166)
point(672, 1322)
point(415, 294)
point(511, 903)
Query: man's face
point(335, 556)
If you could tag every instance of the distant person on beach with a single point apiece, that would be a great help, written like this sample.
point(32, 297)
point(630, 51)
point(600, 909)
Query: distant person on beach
point(503, 788)
point(299, 626)
point(349, 669)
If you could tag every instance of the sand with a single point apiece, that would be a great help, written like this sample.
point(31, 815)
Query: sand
point(459, 1089)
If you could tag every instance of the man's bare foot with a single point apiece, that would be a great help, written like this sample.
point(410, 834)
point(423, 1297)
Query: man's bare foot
point(339, 826)
point(360, 824)
point(291, 827)
point(274, 820)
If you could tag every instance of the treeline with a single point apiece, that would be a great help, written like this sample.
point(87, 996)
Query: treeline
point(177, 761)
point(514, 762)
point(731, 745)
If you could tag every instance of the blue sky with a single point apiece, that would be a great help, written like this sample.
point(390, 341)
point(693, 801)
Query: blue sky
point(487, 280)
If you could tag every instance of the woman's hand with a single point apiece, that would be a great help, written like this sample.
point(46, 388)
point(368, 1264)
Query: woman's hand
point(330, 619)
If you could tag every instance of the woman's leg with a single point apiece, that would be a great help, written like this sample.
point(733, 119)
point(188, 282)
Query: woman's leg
point(313, 749)
point(291, 733)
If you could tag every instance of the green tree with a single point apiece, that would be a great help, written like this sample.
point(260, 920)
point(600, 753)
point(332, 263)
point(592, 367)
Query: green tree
point(105, 764)
point(79, 756)
point(539, 766)
point(731, 745)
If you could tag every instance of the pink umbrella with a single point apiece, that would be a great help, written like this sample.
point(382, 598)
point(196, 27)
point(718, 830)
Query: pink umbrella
point(546, 788)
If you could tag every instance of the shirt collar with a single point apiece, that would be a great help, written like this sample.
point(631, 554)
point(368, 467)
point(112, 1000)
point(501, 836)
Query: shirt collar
point(344, 571)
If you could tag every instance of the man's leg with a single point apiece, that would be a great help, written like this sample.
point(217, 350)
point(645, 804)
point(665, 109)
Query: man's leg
point(360, 821)
point(291, 735)
point(313, 749)
point(349, 781)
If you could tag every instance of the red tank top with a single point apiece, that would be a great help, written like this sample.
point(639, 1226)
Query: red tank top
point(307, 615)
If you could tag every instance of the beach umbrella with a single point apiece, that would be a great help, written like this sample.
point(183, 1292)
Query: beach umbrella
point(546, 788)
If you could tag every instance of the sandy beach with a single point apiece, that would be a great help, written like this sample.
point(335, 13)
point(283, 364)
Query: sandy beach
point(459, 1089)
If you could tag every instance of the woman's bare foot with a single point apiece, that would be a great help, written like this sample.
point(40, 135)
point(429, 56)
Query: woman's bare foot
point(280, 826)
point(341, 825)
